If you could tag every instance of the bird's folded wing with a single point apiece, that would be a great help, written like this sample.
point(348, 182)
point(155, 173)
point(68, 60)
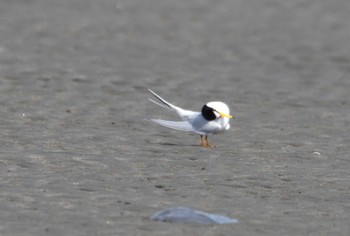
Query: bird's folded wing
point(177, 125)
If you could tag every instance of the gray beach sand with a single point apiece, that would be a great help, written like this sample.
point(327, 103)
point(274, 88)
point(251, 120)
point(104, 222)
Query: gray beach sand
point(78, 158)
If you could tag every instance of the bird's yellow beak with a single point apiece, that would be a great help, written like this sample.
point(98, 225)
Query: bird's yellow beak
point(226, 115)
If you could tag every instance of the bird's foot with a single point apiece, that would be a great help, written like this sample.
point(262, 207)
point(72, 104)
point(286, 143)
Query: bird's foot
point(206, 143)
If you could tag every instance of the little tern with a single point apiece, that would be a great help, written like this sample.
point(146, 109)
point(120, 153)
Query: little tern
point(213, 119)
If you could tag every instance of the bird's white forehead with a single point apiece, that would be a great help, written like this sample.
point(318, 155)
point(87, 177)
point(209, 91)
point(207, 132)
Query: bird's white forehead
point(219, 106)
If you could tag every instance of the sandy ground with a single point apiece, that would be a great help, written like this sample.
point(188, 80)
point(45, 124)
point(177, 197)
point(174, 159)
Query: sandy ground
point(77, 158)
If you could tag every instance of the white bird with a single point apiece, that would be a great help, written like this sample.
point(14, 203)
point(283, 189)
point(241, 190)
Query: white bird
point(214, 118)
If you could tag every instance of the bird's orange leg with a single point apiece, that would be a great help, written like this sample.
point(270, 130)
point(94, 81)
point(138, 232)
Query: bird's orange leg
point(207, 142)
point(202, 143)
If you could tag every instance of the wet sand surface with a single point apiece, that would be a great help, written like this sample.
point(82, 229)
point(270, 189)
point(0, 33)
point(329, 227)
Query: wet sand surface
point(77, 158)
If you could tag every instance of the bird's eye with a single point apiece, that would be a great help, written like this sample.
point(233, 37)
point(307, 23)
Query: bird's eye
point(216, 113)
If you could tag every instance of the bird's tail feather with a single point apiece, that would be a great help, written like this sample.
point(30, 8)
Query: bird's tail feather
point(167, 107)
point(163, 103)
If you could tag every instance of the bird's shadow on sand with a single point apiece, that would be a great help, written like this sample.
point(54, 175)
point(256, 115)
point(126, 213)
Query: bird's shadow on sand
point(174, 144)
point(179, 144)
